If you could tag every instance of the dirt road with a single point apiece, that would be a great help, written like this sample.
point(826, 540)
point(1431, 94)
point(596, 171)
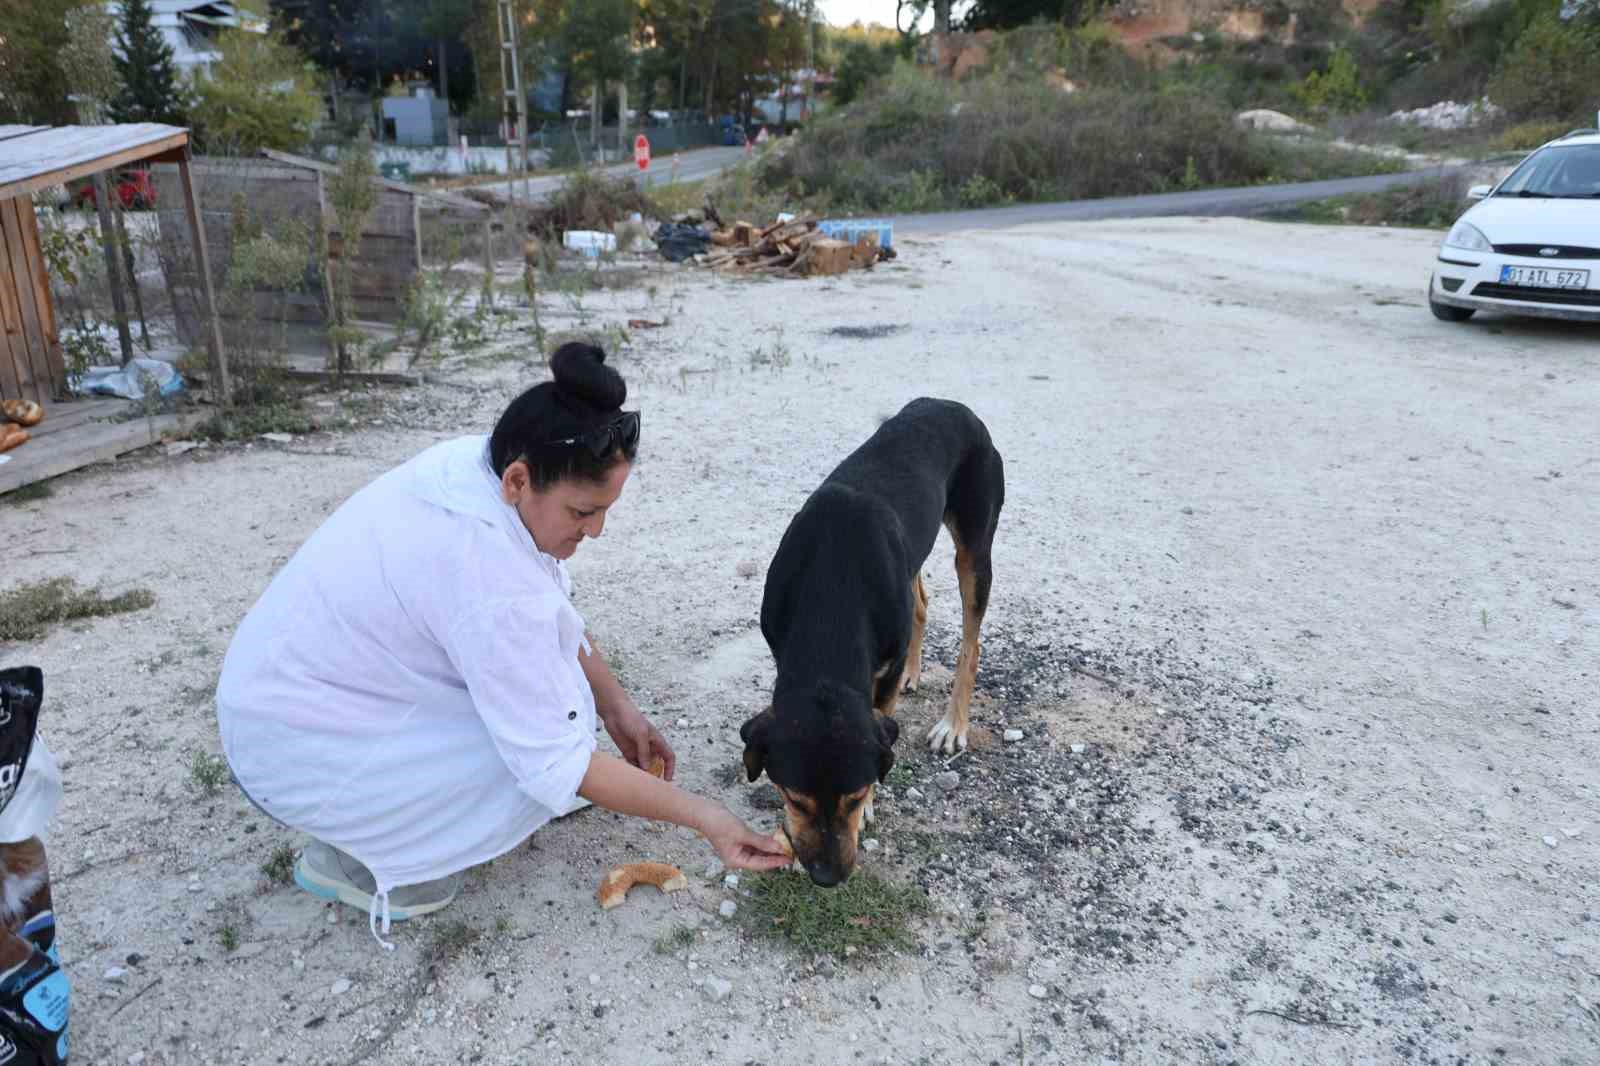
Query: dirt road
point(1296, 605)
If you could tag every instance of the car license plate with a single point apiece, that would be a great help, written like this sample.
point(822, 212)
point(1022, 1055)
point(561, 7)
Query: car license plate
point(1544, 277)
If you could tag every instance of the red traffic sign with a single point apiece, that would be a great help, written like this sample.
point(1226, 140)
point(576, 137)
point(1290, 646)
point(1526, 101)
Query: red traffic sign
point(641, 151)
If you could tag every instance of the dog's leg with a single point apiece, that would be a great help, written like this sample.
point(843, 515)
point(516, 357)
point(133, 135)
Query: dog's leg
point(973, 575)
point(919, 622)
point(869, 815)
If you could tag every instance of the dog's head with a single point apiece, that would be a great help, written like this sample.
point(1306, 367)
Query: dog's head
point(824, 748)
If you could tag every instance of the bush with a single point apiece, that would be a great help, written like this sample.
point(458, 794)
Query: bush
point(1552, 70)
point(258, 95)
point(860, 66)
point(921, 144)
point(1526, 136)
point(1338, 88)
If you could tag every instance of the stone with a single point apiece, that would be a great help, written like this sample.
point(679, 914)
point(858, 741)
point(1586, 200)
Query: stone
point(1079, 749)
point(871, 844)
point(1011, 736)
point(1037, 991)
point(728, 909)
point(115, 973)
point(913, 794)
point(717, 989)
point(1550, 842)
point(731, 881)
point(340, 987)
point(278, 438)
point(949, 780)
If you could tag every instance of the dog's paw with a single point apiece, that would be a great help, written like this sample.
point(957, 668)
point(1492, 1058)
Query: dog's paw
point(910, 682)
point(944, 736)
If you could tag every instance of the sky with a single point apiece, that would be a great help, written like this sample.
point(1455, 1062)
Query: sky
point(844, 12)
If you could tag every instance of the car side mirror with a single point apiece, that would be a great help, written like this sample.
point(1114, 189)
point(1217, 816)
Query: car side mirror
point(1478, 192)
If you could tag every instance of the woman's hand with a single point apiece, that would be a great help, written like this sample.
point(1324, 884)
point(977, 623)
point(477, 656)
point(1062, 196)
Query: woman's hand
point(637, 739)
point(738, 846)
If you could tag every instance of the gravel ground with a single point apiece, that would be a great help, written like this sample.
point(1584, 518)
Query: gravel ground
point(1293, 610)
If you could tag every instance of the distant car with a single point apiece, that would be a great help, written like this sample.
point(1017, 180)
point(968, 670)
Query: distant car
point(734, 136)
point(134, 188)
point(1531, 244)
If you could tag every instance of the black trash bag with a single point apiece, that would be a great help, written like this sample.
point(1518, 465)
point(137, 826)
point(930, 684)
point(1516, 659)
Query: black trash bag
point(677, 242)
point(21, 693)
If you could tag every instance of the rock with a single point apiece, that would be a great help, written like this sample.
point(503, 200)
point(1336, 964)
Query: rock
point(871, 844)
point(178, 447)
point(717, 989)
point(1448, 115)
point(340, 987)
point(333, 916)
point(1550, 842)
point(594, 979)
point(136, 1058)
point(731, 881)
point(1262, 118)
point(913, 794)
point(728, 909)
point(949, 780)
point(1011, 736)
point(278, 438)
point(477, 990)
point(298, 964)
point(1079, 749)
point(115, 973)
point(712, 870)
point(1037, 991)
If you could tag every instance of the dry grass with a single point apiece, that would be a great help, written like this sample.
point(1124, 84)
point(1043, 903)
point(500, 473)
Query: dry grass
point(27, 611)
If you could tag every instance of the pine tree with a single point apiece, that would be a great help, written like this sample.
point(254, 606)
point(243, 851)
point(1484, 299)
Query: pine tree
point(150, 90)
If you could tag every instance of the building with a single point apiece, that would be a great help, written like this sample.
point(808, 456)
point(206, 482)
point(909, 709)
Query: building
point(191, 27)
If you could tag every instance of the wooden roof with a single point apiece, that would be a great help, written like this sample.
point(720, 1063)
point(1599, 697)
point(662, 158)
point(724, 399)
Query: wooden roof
point(38, 157)
point(448, 203)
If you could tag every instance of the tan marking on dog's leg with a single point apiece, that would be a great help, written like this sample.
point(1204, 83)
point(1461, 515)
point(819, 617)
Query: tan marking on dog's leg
point(919, 623)
point(867, 812)
point(950, 732)
point(886, 707)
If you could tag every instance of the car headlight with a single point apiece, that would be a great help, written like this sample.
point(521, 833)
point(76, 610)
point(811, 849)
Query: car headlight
point(1466, 235)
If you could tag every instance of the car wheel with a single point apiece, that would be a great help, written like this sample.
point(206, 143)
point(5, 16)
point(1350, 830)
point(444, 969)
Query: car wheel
point(1449, 312)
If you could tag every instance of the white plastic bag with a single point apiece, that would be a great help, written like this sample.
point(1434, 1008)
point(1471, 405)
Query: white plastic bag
point(129, 381)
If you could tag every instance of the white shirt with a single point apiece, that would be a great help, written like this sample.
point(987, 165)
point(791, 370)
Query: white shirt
point(408, 687)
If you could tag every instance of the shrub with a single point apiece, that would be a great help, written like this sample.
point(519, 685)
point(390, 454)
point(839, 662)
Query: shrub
point(1552, 70)
point(1338, 88)
point(258, 95)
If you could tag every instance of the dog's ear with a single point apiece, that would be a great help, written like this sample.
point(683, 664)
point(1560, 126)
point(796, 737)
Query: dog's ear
point(754, 735)
point(888, 733)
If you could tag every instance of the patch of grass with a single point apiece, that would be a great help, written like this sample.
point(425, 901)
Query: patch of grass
point(1434, 204)
point(28, 610)
point(228, 937)
point(448, 941)
point(39, 490)
point(899, 775)
point(674, 940)
point(207, 773)
point(866, 913)
point(279, 866)
point(246, 423)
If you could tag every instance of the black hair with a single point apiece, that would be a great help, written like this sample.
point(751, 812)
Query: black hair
point(586, 395)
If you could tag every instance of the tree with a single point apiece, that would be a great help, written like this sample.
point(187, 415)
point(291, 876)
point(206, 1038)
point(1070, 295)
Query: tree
point(150, 91)
point(1007, 14)
point(33, 84)
point(258, 95)
point(861, 64)
point(89, 65)
point(1552, 70)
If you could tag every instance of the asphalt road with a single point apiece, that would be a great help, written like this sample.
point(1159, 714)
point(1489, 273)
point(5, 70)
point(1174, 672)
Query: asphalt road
point(1241, 201)
point(692, 166)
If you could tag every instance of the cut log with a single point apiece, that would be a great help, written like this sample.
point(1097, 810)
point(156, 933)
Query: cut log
point(829, 257)
point(744, 233)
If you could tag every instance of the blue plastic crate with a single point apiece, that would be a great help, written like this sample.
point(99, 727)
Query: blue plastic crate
point(851, 229)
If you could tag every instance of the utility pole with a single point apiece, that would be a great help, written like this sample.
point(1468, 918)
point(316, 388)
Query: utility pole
point(811, 57)
point(514, 103)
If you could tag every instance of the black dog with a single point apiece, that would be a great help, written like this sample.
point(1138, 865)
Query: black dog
point(844, 611)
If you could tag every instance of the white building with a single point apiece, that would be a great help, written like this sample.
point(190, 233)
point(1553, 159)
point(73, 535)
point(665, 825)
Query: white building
point(190, 27)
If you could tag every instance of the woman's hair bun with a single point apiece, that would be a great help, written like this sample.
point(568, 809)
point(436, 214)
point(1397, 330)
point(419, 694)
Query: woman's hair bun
point(583, 378)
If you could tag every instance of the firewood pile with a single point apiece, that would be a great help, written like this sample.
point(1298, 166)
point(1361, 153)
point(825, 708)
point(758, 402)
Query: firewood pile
point(794, 248)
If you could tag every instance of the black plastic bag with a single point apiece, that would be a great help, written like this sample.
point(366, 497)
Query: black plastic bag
point(677, 242)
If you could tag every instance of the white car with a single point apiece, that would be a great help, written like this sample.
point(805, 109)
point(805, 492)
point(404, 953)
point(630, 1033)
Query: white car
point(1530, 245)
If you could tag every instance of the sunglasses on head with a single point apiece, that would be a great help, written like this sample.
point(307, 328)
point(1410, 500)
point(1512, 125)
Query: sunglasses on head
point(621, 433)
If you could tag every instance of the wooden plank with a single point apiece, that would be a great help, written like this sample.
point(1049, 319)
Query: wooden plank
point(54, 368)
point(8, 132)
point(212, 326)
point(22, 291)
point(64, 417)
point(439, 200)
point(13, 344)
point(66, 153)
point(93, 443)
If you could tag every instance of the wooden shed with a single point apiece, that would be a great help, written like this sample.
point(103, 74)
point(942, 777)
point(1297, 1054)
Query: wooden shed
point(279, 188)
point(37, 157)
point(75, 433)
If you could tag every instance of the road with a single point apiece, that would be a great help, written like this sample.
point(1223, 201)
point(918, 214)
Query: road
point(692, 166)
point(1240, 201)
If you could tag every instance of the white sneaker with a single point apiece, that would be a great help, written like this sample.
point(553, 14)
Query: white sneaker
point(328, 873)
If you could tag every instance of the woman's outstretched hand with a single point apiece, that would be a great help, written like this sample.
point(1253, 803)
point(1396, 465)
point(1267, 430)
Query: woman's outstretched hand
point(740, 847)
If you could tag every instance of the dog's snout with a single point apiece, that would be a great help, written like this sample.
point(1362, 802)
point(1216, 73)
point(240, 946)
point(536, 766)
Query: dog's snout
point(826, 874)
